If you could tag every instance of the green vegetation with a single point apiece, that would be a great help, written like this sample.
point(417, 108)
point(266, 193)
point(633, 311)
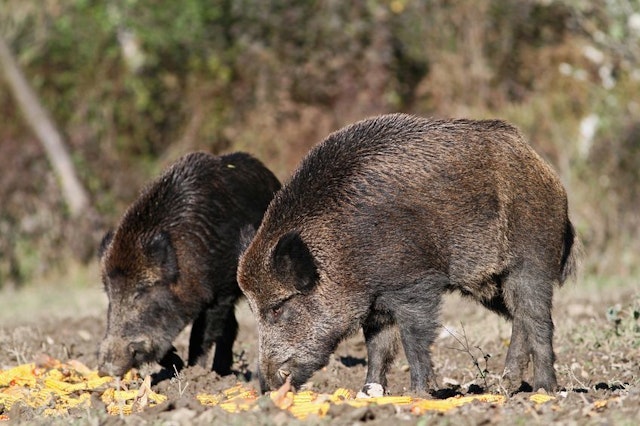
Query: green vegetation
point(132, 86)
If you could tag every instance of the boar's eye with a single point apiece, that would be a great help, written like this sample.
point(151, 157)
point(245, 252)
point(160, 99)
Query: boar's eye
point(275, 312)
point(139, 292)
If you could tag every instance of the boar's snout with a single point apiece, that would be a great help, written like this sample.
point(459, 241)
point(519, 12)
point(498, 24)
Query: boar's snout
point(269, 377)
point(274, 376)
point(117, 356)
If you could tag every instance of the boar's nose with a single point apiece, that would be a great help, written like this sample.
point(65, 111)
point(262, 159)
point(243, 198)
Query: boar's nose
point(103, 371)
point(283, 374)
point(137, 350)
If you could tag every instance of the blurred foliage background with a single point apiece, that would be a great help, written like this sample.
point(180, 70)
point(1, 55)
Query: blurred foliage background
point(134, 84)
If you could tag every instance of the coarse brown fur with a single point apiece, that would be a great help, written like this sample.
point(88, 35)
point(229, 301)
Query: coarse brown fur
point(382, 218)
point(172, 260)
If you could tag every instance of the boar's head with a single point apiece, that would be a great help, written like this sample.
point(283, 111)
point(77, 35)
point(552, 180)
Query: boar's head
point(301, 314)
point(140, 274)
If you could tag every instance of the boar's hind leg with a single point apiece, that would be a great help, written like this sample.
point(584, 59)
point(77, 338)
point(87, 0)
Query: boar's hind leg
point(214, 325)
point(529, 297)
point(381, 336)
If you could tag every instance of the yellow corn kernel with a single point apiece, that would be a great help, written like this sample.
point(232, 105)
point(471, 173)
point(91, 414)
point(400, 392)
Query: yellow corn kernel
point(116, 409)
point(39, 398)
point(8, 400)
point(245, 394)
point(94, 383)
point(107, 395)
point(208, 400)
point(130, 376)
point(55, 375)
point(341, 394)
point(22, 375)
point(230, 407)
point(59, 387)
point(156, 397)
point(398, 400)
point(540, 398)
point(83, 400)
point(302, 411)
point(304, 396)
point(125, 395)
point(601, 403)
point(443, 405)
point(232, 390)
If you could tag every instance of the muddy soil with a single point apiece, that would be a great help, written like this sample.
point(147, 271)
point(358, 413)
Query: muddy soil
point(597, 345)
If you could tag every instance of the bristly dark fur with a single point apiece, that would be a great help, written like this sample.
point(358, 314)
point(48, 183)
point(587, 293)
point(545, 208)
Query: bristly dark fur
point(388, 214)
point(173, 257)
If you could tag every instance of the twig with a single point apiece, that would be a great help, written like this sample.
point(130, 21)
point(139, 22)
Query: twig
point(467, 349)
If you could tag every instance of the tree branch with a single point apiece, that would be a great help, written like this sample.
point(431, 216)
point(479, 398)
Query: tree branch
point(41, 124)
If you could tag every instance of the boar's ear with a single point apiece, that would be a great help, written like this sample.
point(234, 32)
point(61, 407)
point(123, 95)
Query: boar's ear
point(161, 253)
point(106, 240)
point(293, 261)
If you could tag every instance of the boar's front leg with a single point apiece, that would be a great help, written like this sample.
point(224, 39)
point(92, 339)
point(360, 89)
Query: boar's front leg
point(381, 336)
point(214, 325)
point(416, 311)
point(171, 364)
point(416, 340)
point(171, 360)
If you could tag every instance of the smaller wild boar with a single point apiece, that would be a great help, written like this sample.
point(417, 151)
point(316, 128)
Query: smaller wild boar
point(172, 260)
point(385, 216)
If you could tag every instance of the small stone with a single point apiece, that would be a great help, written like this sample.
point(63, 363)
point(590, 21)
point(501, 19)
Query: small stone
point(371, 390)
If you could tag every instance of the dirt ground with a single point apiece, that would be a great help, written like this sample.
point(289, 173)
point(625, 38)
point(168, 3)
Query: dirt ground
point(597, 345)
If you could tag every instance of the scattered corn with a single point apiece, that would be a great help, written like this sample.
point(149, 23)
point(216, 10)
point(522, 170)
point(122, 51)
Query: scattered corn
point(56, 387)
point(22, 375)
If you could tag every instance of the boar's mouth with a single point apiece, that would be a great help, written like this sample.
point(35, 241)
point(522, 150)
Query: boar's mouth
point(296, 374)
point(118, 357)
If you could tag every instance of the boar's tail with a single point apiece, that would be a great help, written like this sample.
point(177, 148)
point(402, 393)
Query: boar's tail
point(570, 253)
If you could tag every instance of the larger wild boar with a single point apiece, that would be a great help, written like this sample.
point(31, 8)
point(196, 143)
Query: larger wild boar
point(172, 260)
point(386, 215)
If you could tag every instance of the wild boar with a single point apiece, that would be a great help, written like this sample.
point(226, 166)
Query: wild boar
point(172, 260)
point(386, 215)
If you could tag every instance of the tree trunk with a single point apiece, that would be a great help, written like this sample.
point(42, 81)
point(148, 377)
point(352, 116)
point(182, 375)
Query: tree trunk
point(37, 118)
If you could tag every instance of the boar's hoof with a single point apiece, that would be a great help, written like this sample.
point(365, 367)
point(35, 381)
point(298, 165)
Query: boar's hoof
point(371, 390)
point(283, 374)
